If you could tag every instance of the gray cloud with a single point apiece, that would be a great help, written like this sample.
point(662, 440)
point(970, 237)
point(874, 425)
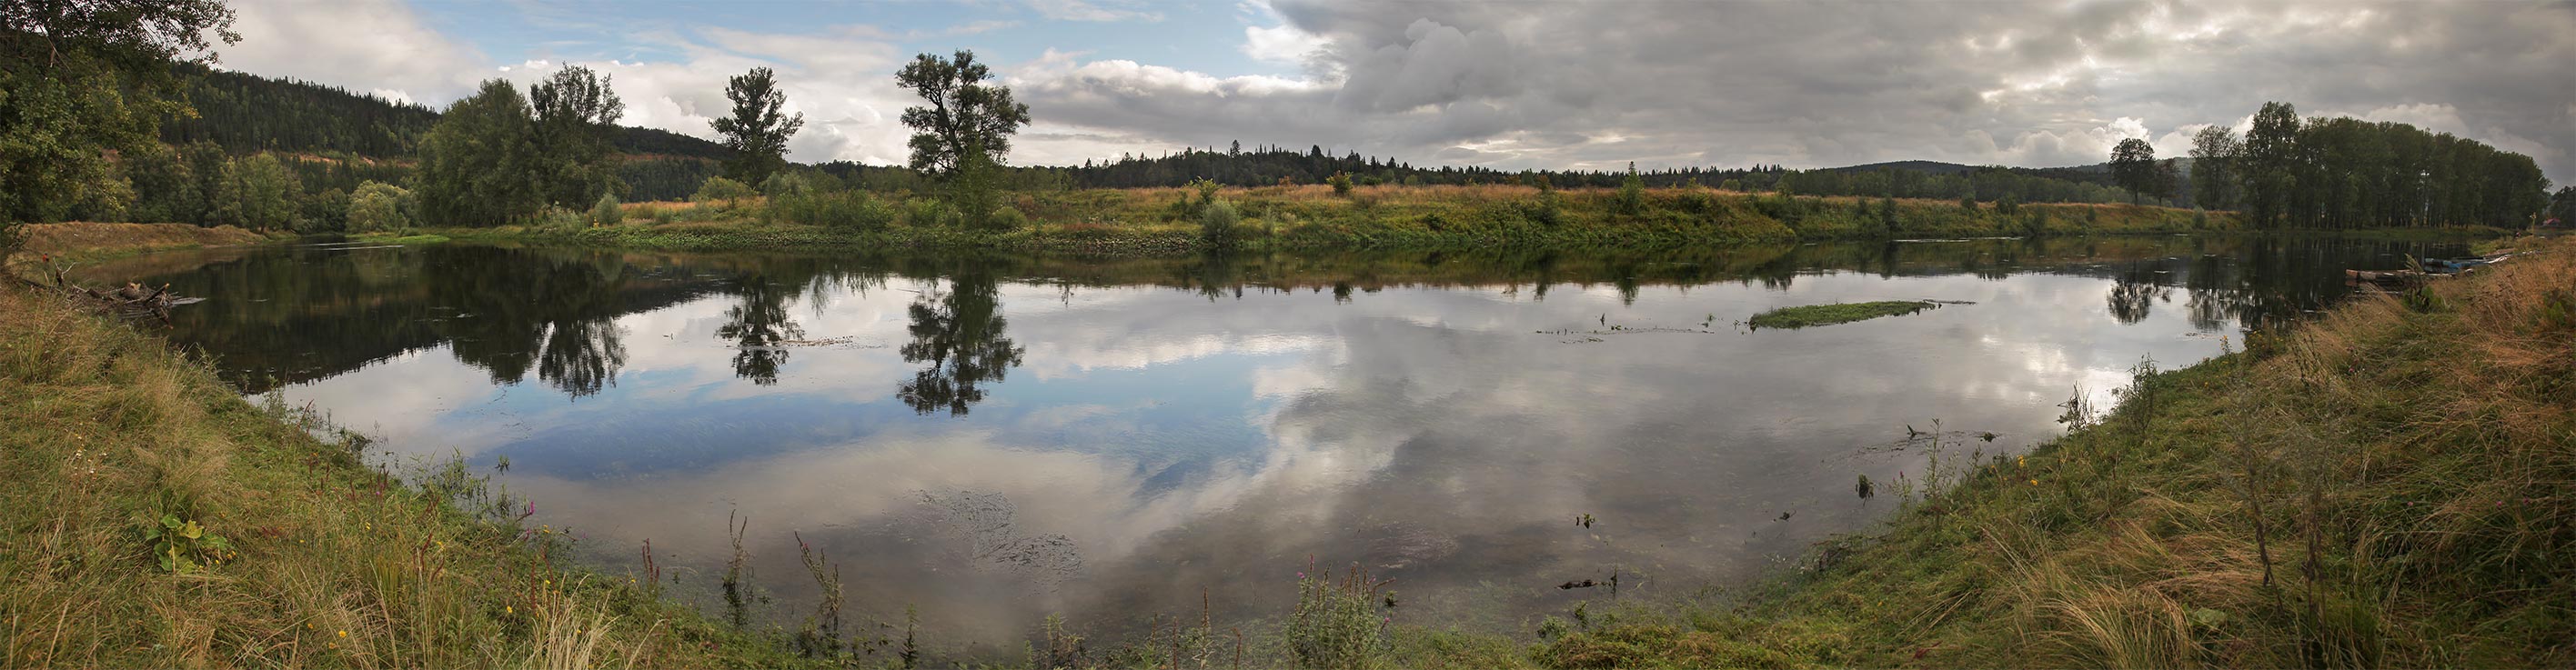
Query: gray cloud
point(1595, 84)
point(1735, 83)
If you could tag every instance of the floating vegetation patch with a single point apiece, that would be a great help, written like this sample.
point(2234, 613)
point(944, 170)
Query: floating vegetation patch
point(1846, 312)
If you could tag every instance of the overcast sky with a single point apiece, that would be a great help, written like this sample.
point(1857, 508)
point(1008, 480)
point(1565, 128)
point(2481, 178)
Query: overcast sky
point(1545, 84)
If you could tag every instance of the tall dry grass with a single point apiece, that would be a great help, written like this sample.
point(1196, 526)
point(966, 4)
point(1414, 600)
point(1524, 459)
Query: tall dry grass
point(106, 431)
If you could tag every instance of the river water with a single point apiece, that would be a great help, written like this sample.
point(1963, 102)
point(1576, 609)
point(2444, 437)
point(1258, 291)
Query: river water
point(990, 439)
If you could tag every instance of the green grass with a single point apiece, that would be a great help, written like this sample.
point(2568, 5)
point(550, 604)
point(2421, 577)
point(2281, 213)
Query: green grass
point(2388, 485)
point(1842, 312)
point(2399, 469)
point(323, 562)
point(1168, 221)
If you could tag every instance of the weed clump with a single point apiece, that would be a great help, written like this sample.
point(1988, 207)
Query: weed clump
point(1823, 315)
point(1340, 622)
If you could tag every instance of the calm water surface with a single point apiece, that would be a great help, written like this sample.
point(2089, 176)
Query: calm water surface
point(992, 439)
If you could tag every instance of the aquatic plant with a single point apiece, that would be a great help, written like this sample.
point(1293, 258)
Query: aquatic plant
point(1822, 315)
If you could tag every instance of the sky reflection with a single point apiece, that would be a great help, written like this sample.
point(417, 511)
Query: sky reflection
point(993, 448)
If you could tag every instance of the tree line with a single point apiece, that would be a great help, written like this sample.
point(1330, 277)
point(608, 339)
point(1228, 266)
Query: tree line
point(2345, 173)
point(127, 121)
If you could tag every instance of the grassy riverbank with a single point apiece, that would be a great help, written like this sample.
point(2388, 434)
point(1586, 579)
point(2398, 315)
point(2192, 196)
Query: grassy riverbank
point(272, 548)
point(2399, 468)
point(2388, 486)
point(1280, 218)
point(99, 241)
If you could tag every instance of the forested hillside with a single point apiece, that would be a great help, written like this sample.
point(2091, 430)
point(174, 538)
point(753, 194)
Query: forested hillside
point(246, 113)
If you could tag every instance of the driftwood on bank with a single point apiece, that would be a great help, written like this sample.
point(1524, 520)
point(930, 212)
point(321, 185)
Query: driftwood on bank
point(131, 301)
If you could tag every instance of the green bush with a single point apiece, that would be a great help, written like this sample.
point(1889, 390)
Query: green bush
point(1632, 194)
point(606, 213)
point(844, 210)
point(558, 217)
point(378, 206)
point(719, 189)
point(928, 213)
point(1341, 182)
point(1216, 222)
point(1006, 219)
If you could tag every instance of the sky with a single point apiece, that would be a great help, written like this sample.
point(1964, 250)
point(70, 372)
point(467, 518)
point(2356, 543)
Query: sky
point(1559, 84)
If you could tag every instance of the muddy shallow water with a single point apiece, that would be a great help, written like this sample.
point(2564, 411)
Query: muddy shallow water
point(991, 439)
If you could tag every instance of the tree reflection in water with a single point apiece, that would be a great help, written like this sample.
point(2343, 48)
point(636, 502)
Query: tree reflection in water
point(759, 329)
point(2134, 292)
point(958, 333)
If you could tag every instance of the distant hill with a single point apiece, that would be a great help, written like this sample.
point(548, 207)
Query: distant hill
point(1926, 167)
point(245, 113)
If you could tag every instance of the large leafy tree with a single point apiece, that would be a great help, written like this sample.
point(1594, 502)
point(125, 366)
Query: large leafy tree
point(758, 129)
point(2270, 164)
point(2133, 166)
point(964, 114)
point(478, 166)
point(81, 77)
point(2214, 152)
point(259, 193)
point(576, 113)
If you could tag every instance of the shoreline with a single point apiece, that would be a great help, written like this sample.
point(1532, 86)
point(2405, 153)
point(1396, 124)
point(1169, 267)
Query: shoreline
point(2118, 544)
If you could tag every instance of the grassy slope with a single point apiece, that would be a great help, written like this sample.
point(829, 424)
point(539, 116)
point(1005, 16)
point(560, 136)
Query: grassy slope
point(333, 564)
point(2415, 469)
point(1148, 221)
point(94, 241)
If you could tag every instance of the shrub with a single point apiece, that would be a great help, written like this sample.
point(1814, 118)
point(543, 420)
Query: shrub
point(793, 183)
point(2008, 204)
point(1341, 182)
point(719, 189)
point(558, 217)
point(1006, 219)
point(1216, 222)
point(845, 210)
point(928, 212)
point(1632, 194)
point(1696, 202)
point(1968, 202)
point(1544, 211)
point(606, 213)
point(377, 206)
